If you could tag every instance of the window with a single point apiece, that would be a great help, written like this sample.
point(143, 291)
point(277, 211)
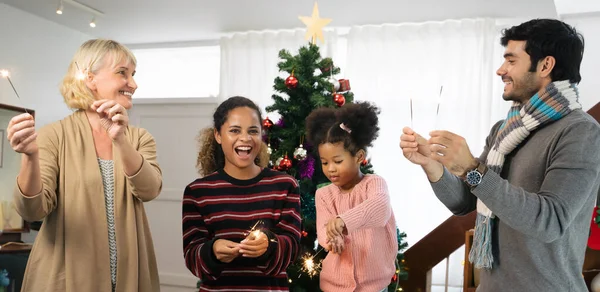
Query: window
point(182, 72)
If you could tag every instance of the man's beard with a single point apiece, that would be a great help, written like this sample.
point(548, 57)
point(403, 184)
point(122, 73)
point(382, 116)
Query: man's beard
point(522, 90)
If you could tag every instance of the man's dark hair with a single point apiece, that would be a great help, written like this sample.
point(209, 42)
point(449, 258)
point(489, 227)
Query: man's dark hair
point(550, 37)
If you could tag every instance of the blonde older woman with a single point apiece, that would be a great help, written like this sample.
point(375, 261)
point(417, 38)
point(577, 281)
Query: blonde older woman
point(87, 177)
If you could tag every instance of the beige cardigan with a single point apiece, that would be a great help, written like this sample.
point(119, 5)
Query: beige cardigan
point(71, 251)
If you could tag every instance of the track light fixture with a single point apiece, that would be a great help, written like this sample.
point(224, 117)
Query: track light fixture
point(59, 10)
point(95, 13)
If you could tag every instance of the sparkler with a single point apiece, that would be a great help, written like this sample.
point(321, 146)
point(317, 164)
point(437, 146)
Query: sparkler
point(309, 266)
point(6, 74)
point(411, 114)
point(437, 113)
point(439, 101)
point(256, 230)
point(80, 75)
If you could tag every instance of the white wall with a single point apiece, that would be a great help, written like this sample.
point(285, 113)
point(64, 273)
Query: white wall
point(37, 53)
point(589, 26)
point(160, 117)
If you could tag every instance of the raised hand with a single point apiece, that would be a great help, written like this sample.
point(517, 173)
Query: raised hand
point(22, 135)
point(414, 147)
point(452, 151)
point(418, 151)
point(113, 117)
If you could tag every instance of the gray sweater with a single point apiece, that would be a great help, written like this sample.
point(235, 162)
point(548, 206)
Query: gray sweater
point(543, 200)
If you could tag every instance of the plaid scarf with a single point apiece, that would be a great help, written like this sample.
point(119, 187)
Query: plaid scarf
point(548, 105)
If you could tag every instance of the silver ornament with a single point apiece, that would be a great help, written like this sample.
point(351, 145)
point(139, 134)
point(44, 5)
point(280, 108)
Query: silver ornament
point(300, 153)
point(335, 82)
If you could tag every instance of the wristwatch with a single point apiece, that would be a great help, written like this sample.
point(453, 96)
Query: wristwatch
point(475, 176)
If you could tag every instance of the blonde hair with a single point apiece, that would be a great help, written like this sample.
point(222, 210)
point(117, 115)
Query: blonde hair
point(207, 161)
point(89, 58)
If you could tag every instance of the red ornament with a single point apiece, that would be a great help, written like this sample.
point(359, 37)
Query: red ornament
point(285, 164)
point(594, 238)
point(364, 162)
point(267, 123)
point(304, 233)
point(291, 82)
point(394, 278)
point(339, 99)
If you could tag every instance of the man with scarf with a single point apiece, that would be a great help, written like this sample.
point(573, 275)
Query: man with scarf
point(535, 184)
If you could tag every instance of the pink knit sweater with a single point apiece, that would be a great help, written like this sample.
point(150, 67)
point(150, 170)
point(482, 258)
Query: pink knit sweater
point(371, 246)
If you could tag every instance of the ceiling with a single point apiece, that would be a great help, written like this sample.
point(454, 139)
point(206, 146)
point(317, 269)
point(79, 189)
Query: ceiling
point(154, 21)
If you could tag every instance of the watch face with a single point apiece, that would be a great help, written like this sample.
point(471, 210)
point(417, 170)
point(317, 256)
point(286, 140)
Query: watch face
point(473, 178)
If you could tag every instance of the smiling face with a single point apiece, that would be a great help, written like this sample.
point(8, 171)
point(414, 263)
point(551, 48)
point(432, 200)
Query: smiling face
point(114, 81)
point(340, 166)
point(240, 139)
point(520, 83)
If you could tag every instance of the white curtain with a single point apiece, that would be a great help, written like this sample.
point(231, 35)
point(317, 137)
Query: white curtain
point(249, 61)
point(391, 64)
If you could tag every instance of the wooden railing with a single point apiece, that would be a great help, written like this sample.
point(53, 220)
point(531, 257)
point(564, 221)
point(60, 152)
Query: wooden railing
point(449, 236)
point(434, 248)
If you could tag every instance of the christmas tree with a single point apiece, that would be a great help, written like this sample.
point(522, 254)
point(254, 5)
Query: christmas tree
point(310, 85)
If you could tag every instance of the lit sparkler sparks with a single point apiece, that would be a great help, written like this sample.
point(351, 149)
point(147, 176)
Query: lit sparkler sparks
point(256, 230)
point(6, 74)
point(309, 266)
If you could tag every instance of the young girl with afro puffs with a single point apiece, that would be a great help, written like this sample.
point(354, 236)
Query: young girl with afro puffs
point(355, 221)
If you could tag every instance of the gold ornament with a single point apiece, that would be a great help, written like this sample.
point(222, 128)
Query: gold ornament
point(315, 25)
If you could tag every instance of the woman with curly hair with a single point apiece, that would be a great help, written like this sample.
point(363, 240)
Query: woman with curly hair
point(235, 193)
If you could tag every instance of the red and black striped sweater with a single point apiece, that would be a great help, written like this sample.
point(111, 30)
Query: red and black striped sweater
point(219, 206)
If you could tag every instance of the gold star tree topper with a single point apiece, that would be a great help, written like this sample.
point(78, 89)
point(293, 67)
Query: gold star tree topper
point(315, 25)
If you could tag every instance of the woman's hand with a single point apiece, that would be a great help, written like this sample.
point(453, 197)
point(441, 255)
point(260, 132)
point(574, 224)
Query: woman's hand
point(255, 245)
point(22, 135)
point(225, 250)
point(113, 117)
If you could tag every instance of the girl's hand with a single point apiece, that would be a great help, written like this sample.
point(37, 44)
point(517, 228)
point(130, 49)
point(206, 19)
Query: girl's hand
point(335, 227)
point(336, 244)
point(254, 245)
